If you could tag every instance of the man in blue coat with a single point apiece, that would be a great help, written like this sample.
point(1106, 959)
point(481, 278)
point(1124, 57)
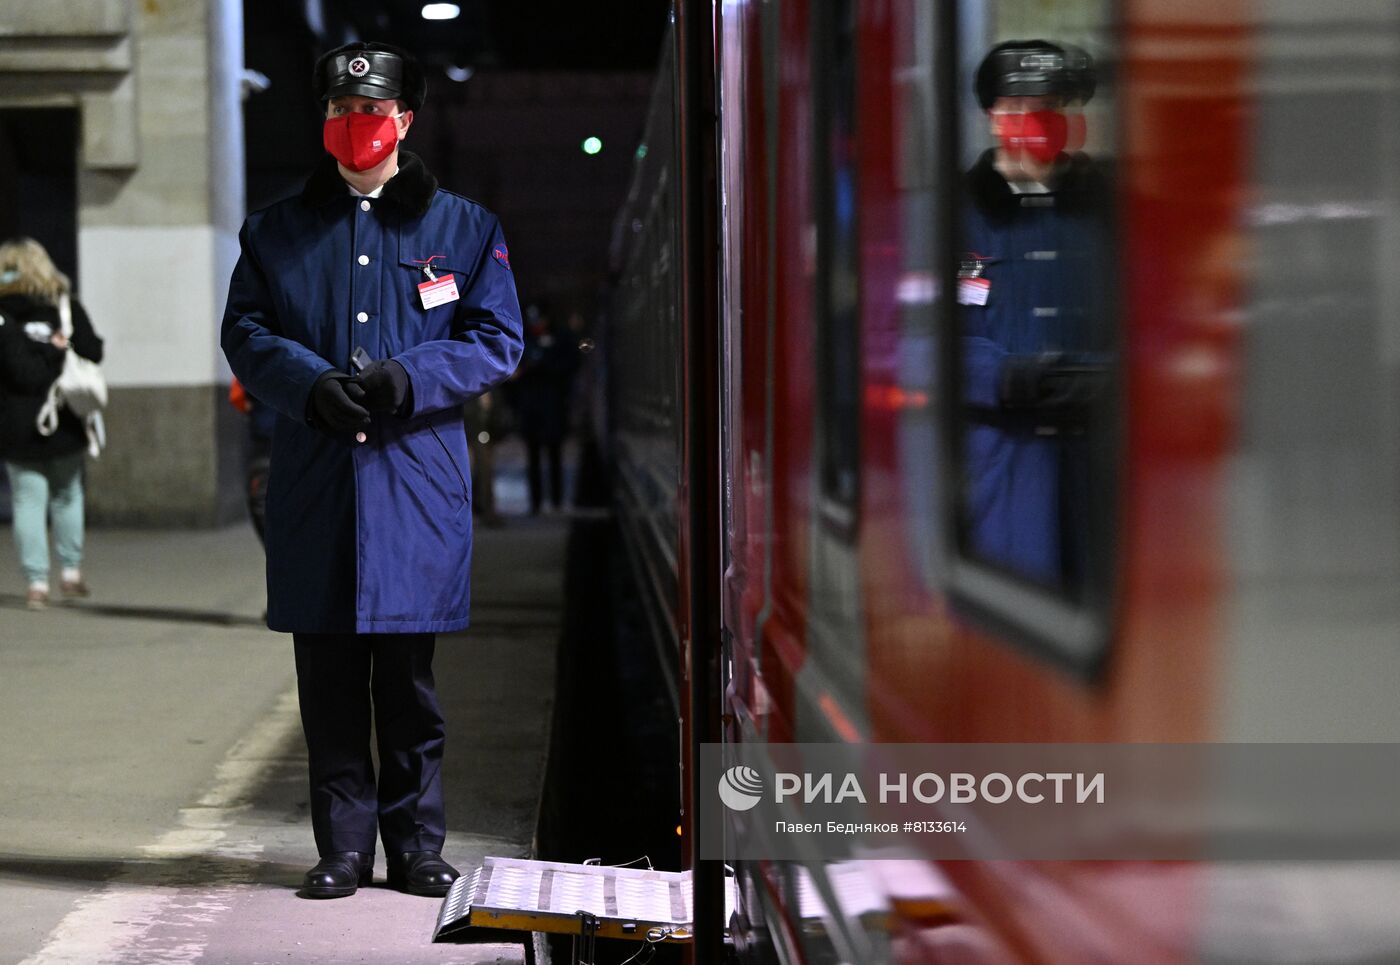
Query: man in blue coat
point(366, 311)
point(1034, 284)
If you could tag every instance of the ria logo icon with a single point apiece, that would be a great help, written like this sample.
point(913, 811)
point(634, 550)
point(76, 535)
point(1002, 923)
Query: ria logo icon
point(740, 787)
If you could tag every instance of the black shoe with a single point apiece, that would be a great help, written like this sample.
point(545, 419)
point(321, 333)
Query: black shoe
point(338, 874)
point(421, 873)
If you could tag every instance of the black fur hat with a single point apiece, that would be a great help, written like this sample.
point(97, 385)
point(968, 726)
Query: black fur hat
point(381, 71)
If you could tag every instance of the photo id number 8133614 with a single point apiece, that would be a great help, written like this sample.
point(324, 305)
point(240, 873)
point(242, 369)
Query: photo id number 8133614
point(937, 827)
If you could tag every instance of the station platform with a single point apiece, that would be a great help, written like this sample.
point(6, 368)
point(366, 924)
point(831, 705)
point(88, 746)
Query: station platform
point(154, 798)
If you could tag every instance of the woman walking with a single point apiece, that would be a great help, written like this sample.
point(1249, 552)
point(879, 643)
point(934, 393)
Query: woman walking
point(45, 471)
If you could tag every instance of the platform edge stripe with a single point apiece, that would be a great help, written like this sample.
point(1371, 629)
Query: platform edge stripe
point(114, 922)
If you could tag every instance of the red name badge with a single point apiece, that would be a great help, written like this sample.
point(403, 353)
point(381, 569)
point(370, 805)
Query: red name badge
point(438, 291)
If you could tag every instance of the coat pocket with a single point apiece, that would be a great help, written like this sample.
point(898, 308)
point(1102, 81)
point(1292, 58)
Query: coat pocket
point(438, 471)
point(456, 469)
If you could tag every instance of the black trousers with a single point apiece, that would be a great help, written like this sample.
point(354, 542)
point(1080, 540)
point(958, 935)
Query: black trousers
point(344, 681)
point(553, 450)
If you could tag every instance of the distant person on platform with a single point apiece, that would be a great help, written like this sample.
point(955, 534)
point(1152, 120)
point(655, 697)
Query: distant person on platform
point(485, 418)
point(366, 311)
point(543, 390)
point(45, 468)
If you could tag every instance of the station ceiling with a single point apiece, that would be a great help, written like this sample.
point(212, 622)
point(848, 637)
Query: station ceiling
point(534, 35)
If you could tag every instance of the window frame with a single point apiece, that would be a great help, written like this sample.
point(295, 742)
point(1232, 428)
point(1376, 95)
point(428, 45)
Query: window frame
point(838, 329)
point(1074, 635)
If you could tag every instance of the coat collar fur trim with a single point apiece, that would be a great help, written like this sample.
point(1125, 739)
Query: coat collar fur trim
point(1080, 186)
point(411, 189)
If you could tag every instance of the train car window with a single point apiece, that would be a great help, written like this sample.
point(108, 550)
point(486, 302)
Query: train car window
point(1031, 346)
point(644, 343)
point(837, 308)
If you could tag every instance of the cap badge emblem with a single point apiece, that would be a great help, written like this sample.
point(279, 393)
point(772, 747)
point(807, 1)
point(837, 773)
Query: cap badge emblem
point(359, 67)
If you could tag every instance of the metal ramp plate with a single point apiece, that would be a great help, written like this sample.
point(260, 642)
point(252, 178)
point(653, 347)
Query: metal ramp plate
point(518, 894)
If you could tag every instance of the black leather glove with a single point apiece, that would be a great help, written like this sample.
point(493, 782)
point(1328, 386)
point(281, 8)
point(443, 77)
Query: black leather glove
point(336, 404)
point(1020, 380)
point(1051, 381)
point(385, 384)
point(1073, 388)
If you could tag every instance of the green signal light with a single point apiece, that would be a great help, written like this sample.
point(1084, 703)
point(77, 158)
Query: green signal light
point(592, 145)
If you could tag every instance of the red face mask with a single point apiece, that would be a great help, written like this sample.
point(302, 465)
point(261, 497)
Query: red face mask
point(1041, 134)
point(360, 141)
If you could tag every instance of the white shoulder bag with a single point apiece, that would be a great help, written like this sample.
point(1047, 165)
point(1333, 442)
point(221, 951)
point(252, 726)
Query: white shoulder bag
point(80, 386)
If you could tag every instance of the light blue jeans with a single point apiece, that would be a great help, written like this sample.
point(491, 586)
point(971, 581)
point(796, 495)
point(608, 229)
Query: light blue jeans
point(36, 490)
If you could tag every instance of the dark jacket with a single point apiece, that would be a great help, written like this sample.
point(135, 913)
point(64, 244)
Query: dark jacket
point(373, 537)
point(29, 364)
point(543, 384)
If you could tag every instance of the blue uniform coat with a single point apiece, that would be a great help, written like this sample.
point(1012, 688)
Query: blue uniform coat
point(373, 537)
point(1044, 257)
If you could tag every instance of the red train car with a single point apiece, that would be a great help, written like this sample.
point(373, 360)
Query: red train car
point(798, 461)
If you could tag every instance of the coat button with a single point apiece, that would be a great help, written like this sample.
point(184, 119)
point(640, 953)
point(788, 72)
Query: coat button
point(364, 205)
point(364, 259)
point(362, 317)
point(360, 437)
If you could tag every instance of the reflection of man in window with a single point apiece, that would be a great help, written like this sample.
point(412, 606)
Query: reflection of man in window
point(1031, 285)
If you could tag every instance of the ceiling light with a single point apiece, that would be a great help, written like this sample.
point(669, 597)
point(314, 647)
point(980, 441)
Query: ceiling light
point(460, 74)
point(441, 11)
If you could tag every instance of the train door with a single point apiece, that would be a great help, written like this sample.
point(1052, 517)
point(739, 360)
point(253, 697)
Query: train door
point(742, 475)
